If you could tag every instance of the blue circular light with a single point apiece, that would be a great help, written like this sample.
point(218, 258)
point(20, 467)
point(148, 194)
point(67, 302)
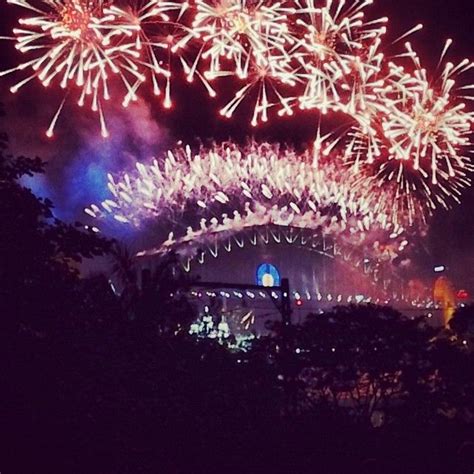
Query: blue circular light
point(268, 275)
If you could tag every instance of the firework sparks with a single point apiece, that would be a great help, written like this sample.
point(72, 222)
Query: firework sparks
point(411, 132)
point(429, 125)
point(337, 51)
point(267, 82)
point(325, 57)
point(160, 34)
point(70, 42)
point(237, 32)
point(248, 40)
point(226, 189)
point(418, 140)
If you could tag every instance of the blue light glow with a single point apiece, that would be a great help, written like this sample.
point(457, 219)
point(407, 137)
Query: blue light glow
point(268, 275)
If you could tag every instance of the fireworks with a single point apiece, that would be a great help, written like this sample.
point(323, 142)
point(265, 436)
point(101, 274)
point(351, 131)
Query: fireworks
point(411, 133)
point(71, 45)
point(418, 140)
point(238, 32)
point(227, 189)
point(160, 35)
point(337, 51)
point(266, 82)
point(248, 40)
point(284, 53)
point(429, 126)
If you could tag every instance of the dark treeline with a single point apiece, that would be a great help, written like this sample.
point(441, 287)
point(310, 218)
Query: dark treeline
point(106, 384)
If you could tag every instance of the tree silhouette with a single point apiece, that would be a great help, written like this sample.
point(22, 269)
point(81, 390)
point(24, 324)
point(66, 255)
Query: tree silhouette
point(164, 295)
point(363, 360)
point(462, 324)
point(39, 253)
point(124, 273)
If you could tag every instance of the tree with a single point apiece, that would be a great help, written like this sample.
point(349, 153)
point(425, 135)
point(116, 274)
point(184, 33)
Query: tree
point(125, 276)
point(153, 293)
point(361, 360)
point(164, 295)
point(38, 252)
point(462, 324)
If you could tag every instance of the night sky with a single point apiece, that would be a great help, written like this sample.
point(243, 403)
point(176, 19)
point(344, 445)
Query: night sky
point(79, 158)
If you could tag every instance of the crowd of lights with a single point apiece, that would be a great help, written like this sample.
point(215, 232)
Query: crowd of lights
point(307, 297)
point(235, 317)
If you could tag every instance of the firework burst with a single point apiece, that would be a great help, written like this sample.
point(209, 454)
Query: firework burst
point(337, 52)
point(268, 83)
point(70, 45)
point(247, 40)
point(419, 140)
point(237, 32)
point(161, 35)
point(429, 125)
point(227, 189)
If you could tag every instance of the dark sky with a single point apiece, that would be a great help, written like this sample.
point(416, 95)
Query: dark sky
point(79, 159)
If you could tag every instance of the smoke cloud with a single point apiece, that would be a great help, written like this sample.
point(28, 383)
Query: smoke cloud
point(78, 158)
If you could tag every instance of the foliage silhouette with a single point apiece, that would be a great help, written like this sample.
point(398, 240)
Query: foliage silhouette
point(39, 254)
